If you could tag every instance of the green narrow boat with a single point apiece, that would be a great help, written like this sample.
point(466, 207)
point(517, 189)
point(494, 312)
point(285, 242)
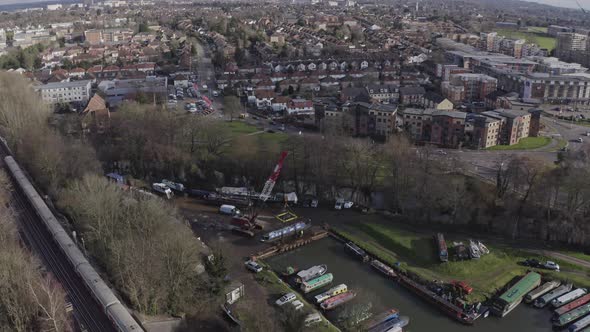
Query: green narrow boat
point(308, 286)
point(571, 316)
point(506, 302)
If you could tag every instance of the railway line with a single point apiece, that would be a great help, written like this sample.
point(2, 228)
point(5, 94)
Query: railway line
point(89, 313)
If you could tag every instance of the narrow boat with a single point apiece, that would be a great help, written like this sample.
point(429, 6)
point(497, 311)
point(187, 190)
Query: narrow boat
point(568, 297)
point(357, 251)
point(383, 268)
point(441, 245)
point(539, 291)
point(582, 324)
point(381, 318)
point(474, 252)
point(557, 292)
point(571, 316)
point(572, 305)
point(308, 286)
point(398, 322)
point(312, 273)
point(506, 302)
point(331, 292)
point(337, 300)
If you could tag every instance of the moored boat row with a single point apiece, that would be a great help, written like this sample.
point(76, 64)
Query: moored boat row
point(557, 292)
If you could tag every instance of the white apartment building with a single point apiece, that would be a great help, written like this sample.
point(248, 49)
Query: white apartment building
point(65, 92)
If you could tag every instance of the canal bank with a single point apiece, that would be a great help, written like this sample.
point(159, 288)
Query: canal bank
point(384, 293)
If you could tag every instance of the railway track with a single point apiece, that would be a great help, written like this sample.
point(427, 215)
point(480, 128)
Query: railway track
point(86, 310)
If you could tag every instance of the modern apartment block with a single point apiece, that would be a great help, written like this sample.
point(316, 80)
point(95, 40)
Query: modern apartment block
point(442, 128)
point(514, 125)
point(468, 87)
point(365, 119)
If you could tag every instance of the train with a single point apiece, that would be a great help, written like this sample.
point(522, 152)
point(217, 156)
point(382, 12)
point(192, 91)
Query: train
point(115, 311)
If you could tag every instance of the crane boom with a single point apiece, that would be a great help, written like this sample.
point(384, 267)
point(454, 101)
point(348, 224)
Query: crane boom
point(582, 8)
point(272, 179)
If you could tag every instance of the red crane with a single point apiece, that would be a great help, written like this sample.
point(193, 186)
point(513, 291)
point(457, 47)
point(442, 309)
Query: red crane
point(248, 223)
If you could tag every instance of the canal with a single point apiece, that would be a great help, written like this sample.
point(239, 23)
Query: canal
point(385, 294)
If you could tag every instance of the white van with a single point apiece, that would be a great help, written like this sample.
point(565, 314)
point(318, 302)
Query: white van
point(313, 319)
point(229, 210)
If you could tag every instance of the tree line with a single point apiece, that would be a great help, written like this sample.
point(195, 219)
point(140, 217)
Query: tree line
point(527, 198)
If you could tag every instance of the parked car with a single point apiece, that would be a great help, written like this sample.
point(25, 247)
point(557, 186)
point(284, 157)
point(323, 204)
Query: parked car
point(297, 304)
point(531, 262)
point(313, 319)
point(253, 266)
point(580, 140)
point(339, 203)
point(549, 265)
point(286, 299)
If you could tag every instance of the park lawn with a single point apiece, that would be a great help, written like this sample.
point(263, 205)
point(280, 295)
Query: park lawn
point(527, 143)
point(417, 253)
point(532, 37)
point(238, 128)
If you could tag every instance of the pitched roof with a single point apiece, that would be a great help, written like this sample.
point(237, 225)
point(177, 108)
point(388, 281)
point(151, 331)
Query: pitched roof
point(96, 103)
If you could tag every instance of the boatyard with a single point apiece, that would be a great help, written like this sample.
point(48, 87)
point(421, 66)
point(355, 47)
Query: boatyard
point(432, 281)
point(371, 285)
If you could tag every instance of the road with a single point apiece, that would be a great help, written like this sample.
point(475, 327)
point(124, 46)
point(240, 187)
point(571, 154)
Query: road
point(86, 310)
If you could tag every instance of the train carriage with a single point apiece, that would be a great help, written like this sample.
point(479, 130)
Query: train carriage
point(117, 313)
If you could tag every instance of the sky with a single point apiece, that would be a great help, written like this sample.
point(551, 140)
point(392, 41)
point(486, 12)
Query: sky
point(558, 3)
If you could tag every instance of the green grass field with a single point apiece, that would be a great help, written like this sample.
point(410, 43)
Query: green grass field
point(538, 29)
point(532, 36)
point(417, 253)
point(238, 128)
point(527, 143)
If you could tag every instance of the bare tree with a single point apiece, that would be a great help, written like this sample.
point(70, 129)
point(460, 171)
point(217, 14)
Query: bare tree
point(50, 298)
point(231, 106)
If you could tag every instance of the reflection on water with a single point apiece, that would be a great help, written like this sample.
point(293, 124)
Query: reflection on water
point(385, 294)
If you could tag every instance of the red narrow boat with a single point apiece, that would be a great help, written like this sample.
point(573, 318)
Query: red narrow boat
point(337, 300)
point(572, 305)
